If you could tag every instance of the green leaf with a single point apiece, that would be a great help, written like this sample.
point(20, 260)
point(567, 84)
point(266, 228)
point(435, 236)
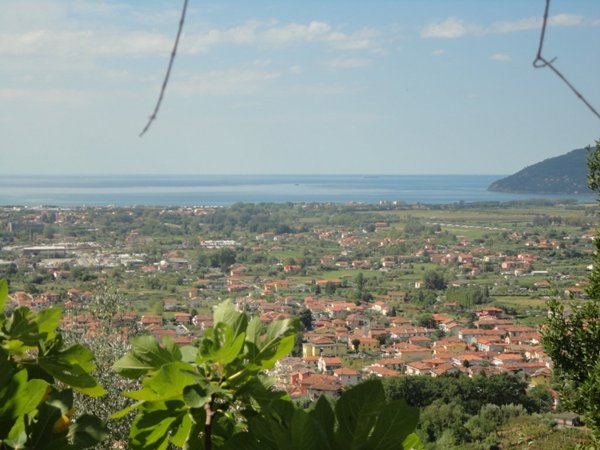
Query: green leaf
point(87, 431)
point(22, 330)
point(146, 355)
point(122, 413)
point(48, 321)
point(17, 436)
point(244, 440)
point(230, 345)
point(193, 440)
point(155, 421)
point(166, 384)
point(3, 293)
point(58, 404)
point(77, 355)
point(259, 392)
point(226, 313)
point(13, 392)
point(413, 442)
point(322, 412)
point(253, 331)
point(72, 374)
point(182, 430)
point(35, 391)
point(269, 355)
point(357, 411)
point(395, 423)
point(305, 434)
point(196, 396)
point(278, 329)
point(189, 353)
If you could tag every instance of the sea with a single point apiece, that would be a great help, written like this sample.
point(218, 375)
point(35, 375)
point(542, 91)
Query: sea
point(223, 190)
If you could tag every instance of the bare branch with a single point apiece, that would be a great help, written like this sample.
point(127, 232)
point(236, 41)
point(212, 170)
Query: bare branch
point(540, 62)
point(168, 74)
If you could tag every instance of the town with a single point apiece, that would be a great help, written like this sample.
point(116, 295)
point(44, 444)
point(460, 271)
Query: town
point(387, 290)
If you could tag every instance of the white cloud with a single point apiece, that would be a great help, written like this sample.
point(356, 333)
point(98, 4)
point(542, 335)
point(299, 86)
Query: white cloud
point(530, 23)
point(77, 43)
point(438, 52)
point(98, 42)
point(295, 69)
point(566, 20)
point(454, 27)
point(54, 96)
point(97, 7)
point(502, 57)
point(450, 28)
point(349, 63)
point(225, 83)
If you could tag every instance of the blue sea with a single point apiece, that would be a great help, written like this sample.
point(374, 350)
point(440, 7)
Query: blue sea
point(222, 190)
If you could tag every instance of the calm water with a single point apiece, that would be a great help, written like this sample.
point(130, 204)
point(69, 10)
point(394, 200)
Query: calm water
point(228, 189)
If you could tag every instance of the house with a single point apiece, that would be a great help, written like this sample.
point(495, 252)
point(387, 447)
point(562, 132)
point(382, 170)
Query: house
point(324, 346)
point(328, 363)
point(409, 353)
point(381, 372)
point(367, 344)
point(148, 320)
point(452, 345)
point(333, 390)
point(507, 358)
point(420, 341)
point(170, 304)
point(468, 359)
point(567, 420)
point(418, 368)
point(183, 318)
point(489, 311)
point(347, 376)
point(203, 321)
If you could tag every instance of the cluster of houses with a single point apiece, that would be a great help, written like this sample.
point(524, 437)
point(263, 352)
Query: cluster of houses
point(343, 338)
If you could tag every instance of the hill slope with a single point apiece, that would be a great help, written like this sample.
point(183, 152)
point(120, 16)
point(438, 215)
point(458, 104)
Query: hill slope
point(565, 174)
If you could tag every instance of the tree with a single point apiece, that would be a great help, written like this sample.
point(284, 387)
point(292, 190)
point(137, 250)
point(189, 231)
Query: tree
point(107, 347)
point(306, 318)
point(38, 377)
point(355, 344)
point(573, 341)
point(434, 280)
point(360, 282)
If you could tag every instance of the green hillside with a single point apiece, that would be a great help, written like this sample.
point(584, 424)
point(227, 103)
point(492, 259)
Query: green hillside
point(565, 174)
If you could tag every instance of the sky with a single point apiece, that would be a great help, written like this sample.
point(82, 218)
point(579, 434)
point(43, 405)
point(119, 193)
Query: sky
point(293, 87)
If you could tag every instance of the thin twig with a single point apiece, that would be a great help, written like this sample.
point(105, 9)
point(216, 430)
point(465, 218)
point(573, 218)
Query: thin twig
point(168, 74)
point(540, 62)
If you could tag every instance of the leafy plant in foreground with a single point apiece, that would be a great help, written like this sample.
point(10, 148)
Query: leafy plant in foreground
point(37, 377)
point(214, 396)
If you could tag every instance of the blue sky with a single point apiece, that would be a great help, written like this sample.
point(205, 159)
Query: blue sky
point(262, 87)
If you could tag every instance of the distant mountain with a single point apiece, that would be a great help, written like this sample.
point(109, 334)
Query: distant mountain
point(565, 174)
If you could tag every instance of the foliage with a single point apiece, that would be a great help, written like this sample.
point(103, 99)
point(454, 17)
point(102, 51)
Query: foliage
point(440, 417)
point(472, 393)
point(306, 318)
point(38, 374)
point(107, 348)
point(434, 280)
point(573, 343)
point(468, 296)
point(213, 396)
point(360, 419)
